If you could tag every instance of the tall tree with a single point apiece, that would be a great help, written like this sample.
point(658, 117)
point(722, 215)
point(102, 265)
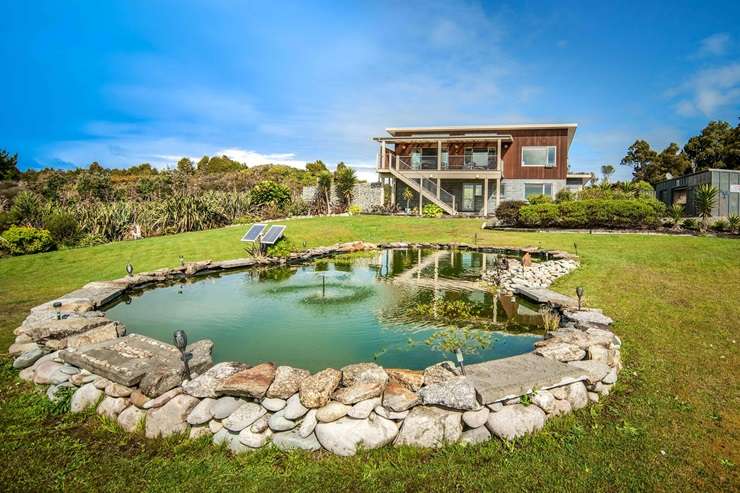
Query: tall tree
point(641, 157)
point(8, 166)
point(185, 165)
point(317, 167)
point(607, 171)
point(718, 146)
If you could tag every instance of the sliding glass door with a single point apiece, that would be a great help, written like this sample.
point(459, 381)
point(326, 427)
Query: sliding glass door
point(472, 197)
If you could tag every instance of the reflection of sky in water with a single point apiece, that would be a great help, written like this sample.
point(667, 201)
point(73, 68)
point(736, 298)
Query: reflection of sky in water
point(289, 316)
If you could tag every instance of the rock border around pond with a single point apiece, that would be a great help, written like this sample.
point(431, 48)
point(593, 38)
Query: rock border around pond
point(139, 382)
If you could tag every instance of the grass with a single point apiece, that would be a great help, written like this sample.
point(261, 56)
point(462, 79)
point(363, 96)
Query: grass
point(670, 425)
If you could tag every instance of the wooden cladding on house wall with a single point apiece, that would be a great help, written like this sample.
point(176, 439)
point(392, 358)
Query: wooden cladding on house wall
point(512, 154)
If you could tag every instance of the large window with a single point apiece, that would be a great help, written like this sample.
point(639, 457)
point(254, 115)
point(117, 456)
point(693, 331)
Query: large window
point(480, 157)
point(539, 156)
point(537, 189)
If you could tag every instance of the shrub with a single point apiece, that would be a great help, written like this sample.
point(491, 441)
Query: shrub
point(27, 209)
point(90, 240)
point(63, 227)
point(734, 221)
point(539, 215)
point(563, 195)
point(720, 225)
point(267, 191)
point(283, 248)
point(354, 209)
point(539, 199)
point(432, 210)
point(676, 212)
point(625, 213)
point(508, 211)
point(690, 223)
point(21, 240)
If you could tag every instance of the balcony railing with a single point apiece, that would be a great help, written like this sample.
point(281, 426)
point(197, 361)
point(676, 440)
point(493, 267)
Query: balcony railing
point(449, 163)
point(442, 194)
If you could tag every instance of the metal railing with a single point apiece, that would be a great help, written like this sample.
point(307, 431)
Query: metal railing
point(443, 195)
point(451, 163)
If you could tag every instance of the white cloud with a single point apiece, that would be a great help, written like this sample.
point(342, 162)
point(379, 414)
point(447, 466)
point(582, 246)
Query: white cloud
point(254, 158)
point(714, 45)
point(709, 92)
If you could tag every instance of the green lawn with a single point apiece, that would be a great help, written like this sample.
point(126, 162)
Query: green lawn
point(671, 425)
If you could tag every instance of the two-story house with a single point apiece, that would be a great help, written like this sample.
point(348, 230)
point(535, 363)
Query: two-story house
point(471, 169)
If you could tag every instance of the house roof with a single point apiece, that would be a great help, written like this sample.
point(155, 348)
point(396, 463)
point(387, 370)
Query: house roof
point(483, 131)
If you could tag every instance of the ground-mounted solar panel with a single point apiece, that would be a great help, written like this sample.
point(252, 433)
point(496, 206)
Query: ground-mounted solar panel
point(273, 235)
point(253, 233)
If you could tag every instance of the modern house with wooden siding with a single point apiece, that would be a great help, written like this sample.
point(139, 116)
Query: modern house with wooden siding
point(472, 169)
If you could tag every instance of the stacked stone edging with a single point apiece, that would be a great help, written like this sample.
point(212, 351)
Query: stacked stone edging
point(358, 406)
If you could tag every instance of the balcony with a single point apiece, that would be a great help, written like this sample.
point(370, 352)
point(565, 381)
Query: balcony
point(466, 162)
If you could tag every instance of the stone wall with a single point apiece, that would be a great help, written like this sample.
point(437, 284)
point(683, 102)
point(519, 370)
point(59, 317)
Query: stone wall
point(69, 343)
point(365, 195)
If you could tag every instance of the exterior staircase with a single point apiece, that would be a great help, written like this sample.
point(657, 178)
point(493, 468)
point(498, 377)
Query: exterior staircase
point(428, 189)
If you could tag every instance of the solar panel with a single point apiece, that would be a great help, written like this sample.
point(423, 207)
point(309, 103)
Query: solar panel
point(254, 232)
point(273, 235)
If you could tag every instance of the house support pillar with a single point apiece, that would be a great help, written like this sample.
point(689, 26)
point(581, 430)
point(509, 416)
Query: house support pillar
point(439, 186)
point(498, 192)
point(439, 160)
point(485, 196)
point(421, 196)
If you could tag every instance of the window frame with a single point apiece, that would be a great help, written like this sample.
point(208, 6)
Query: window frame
point(547, 153)
point(542, 185)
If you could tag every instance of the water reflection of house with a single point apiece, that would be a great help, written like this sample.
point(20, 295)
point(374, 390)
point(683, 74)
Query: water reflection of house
point(519, 312)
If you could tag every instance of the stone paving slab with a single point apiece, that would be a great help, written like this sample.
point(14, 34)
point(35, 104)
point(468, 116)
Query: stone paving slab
point(544, 295)
point(511, 377)
point(124, 360)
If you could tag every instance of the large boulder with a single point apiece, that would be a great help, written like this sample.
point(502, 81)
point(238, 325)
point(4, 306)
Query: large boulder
point(205, 385)
point(455, 393)
point(224, 406)
point(411, 379)
point(358, 392)
point(244, 416)
point(84, 397)
point(28, 358)
point(130, 418)
point(316, 390)
point(515, 421)
point(362, 409)
point(254, 440)
point(593, 370)
point(439, 373)
point(291, 440)
point(475, 436)
point(560, 351)
point(98, 334)
point(202, 413)
point(287, 381)
point(344, 436)
point(364, 373)
point(293, 408)
point(171, 418)
point(332, 412)
point(252, 382)
point(577, 395)
point(588, 318)
point(428, 426)
point(545, 400)
point(398, 398)
point(112, 406)
point(476, 419)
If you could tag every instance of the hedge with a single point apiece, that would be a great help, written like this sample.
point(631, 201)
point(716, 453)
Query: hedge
point(593, 213)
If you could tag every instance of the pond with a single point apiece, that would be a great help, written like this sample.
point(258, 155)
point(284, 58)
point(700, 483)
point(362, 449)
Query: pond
point(381, 307)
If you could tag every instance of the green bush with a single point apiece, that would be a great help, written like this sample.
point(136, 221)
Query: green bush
point(63, 227)
point(269, 192)
point(21, 240)
point(690, 223)
point(354, 210)
point(563, 195)
point(543, 215)
point(720, 225)
point(539, 199)
point(508, 211)
point(591, 213)
point(432, 210)
point(734, 221)
point(283, 248)
point(90, 240)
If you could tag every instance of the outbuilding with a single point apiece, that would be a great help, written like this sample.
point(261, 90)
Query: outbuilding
point(682, 190)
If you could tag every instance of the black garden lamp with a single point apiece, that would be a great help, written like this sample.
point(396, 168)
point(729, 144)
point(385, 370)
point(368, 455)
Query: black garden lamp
point(579, 293)
point(130, 269)
point(58, 307)
point(181, 342)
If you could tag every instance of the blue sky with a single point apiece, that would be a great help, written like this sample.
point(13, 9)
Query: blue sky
point(125, 82)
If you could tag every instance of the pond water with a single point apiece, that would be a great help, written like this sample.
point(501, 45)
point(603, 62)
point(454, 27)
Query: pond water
point(338, 311)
